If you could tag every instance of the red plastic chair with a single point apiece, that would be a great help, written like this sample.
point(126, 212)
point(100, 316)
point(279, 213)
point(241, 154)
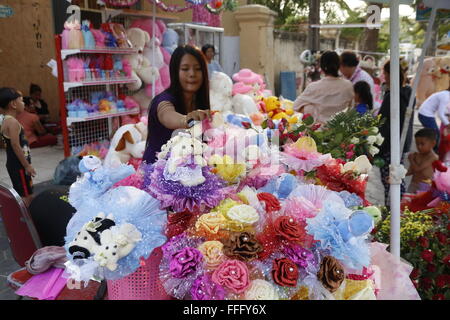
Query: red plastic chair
point(22, 234)
point(24, 241)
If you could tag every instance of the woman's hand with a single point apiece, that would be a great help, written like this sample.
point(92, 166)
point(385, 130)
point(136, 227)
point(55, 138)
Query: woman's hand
point(199, 115)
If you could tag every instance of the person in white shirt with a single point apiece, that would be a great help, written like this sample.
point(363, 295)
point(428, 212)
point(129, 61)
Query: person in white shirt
point(439, 103)
point(349, 68)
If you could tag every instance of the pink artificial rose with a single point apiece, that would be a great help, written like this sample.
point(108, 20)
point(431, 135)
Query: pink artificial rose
point(232, 274)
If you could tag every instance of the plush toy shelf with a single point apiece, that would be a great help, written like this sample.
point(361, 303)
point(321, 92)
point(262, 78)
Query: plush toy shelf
point(71, 120)
point(67, 52)
point(68, 85)
point(111, 13)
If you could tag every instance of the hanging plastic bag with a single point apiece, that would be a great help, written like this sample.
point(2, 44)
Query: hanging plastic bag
point(67, 171)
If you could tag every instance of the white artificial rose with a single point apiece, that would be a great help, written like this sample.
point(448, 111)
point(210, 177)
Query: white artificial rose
point(380, 139)
point(371, 139)
point(261, 290)
point(354, 140)
point(373, 130)
point(373, 150)
point(243, 213)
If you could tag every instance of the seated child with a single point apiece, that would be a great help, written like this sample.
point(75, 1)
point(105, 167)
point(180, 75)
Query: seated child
point(35, 133)
point(363, 97)
point(421, 161)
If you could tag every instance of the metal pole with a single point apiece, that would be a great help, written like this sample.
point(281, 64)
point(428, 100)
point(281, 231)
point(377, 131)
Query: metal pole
point(395, 126)
point(417, 77)
point(154, 46)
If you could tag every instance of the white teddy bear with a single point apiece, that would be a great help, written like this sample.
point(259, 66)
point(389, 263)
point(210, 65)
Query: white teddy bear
point(220, 90)
point(183, 149)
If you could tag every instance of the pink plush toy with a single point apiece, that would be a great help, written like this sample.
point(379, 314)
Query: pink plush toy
point(99, 37)
point(126, 66)
point(248, 78)
point(76, 69)
point(130, 103)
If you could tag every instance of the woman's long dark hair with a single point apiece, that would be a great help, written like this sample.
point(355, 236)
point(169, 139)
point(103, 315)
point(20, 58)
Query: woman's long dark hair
point(387, 68)
point(362, 88)
point(175, 89)
point(329, 63)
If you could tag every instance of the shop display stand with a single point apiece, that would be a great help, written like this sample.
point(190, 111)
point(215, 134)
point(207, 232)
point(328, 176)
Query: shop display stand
point(78, 131)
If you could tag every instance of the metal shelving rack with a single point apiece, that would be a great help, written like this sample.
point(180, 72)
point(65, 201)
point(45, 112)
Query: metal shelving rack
point(79, 131)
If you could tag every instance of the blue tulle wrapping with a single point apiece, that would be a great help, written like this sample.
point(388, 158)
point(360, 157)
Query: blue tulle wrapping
point(323, 227)
point(127, 205)
point(350, 199)
point(95, 183)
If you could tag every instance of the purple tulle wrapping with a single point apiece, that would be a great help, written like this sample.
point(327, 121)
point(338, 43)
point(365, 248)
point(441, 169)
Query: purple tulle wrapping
point(204, 288)
point(178, 197)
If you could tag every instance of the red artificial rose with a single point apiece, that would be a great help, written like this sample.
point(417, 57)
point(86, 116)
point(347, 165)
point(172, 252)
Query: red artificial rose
point(289, 228)
point(424, 242)
point(306, 115)
point(285, 272)
point(438, 296)
point(446, 260)
point(431, 267)
point(412, 244)
point(442, 280)
point(441, 237)
point(316, 126)
point(427, 255)
point(426, 283)
point(438, 165)
point(272, 203)
point(415, 273)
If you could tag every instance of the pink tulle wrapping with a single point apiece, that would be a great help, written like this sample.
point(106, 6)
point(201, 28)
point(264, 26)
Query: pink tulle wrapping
point(303, 160)
point(393, 280)
point(299, 207)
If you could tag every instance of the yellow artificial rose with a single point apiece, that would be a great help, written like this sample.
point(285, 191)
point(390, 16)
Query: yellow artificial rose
point(306, 144)
point(261, 290)
point(212, 253)
point(210, 223)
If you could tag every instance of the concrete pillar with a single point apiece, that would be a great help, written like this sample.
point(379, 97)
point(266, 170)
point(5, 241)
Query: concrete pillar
point(256, 40)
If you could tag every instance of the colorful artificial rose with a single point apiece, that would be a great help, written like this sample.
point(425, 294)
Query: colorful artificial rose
point(271, 202)
point(442, 280)
point(331, 273)
point(300, 256)
point(204, 288)
point(210, 223)
point(184, 262)
point(285, 272)
point(233, 275)
point(261, 290)
point(427, 255)
point(242, 246)
point(289, 228)
point(424, 242)
point(243, 214)
point(212, 252)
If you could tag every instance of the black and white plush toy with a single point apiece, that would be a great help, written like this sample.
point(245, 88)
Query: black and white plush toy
point(88, 238)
